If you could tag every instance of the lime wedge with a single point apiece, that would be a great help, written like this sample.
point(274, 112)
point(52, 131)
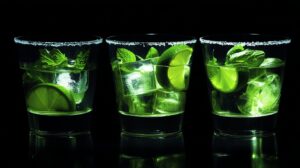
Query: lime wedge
point(50, 97)
point(224, 79)
point(176, 55)
point(178, 76)
point(174, 72)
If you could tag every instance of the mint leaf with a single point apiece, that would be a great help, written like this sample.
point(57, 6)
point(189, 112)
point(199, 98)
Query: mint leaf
point(52, 58)
point(236, 48)
point(124, 55)
point(213, 61)
point(152, 52)
point(271, 62)
point(81, 59)
point(246, 57)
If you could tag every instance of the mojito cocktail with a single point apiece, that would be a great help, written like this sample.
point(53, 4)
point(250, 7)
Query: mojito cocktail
point(245, 79)
point(58, 80)
point(151, 78)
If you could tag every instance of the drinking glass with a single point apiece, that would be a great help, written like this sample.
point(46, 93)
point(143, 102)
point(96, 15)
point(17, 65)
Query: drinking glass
point(58, 75)
point(151, 74)
point(245, 74)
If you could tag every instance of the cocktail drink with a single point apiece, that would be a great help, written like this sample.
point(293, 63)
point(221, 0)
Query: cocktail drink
point(245, 77)
point(58, 80)
point(151, 74)
point(152, 151)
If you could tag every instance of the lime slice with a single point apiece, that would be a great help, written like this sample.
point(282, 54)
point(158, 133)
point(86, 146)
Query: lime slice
point(174, 69)
point(224, 79)
point(178, 76)
point(50, 97)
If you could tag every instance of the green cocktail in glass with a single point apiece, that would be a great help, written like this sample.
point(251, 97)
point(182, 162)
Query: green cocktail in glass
point(151, 74)
point(245, 77)
point(58, 80)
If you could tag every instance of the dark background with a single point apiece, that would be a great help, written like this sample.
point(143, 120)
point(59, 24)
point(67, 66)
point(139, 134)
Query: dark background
point(183, 17)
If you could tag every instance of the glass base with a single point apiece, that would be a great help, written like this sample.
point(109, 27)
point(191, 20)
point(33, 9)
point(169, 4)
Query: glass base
point(245, 126)
point(151, 146)
point(256, 151)
point(61, 151)
point(151, 125)
point(46, 125)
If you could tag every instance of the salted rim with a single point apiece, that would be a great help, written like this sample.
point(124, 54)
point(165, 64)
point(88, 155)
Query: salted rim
point(110, 41)
point(204, 40)
point(19, 40)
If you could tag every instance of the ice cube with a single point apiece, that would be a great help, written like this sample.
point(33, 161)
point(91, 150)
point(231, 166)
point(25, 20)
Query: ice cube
point(140, 104)
point(169, 101)
point(75, 82)
point(64, 79)
point(262, 95)
point(138, 77)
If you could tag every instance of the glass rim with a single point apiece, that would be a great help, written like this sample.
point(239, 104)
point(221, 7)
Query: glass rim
point(150, 39)
point(164, 66)
point(245, 39)
point(24, 40)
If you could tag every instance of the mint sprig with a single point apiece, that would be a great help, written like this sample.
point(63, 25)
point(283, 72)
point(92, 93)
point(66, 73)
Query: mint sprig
point(124, 55)
point(235, 49)
point(213, 61)
point(239, 56)
point(53, 58)
point(152, 53)
point(81, 59)
point(56, 59)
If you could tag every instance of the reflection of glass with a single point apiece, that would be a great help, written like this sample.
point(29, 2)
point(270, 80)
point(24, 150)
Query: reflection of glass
point(152, 151)
point(61, 151)
point(58, 79)
point(245, 75)
point(151, 75)
point(257, 151)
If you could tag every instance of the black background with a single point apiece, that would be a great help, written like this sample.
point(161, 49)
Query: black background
point(183, 17)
